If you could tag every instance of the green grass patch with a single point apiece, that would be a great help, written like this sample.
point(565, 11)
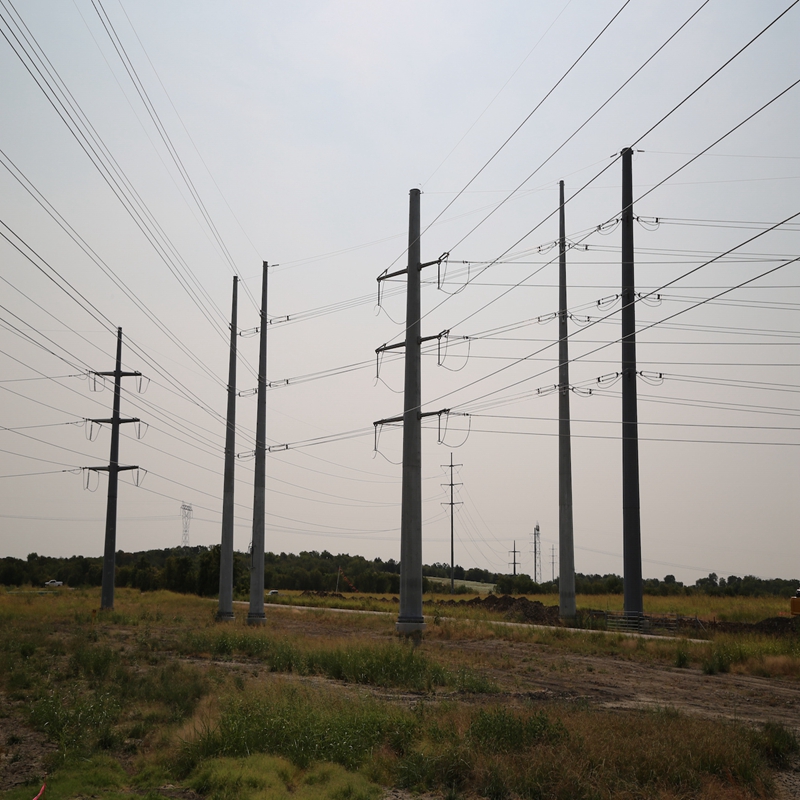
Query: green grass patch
point(261, 776)
point(89, 777)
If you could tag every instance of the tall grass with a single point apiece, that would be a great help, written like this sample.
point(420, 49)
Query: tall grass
point(381, 664)
point(496, 752)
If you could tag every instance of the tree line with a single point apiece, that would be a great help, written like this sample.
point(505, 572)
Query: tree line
point(195, 570)
point(733, 586)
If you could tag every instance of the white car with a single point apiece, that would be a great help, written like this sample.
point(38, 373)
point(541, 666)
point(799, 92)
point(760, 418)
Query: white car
point(54, 583)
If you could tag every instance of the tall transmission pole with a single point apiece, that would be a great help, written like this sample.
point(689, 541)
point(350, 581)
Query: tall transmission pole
point(452, 505)
point(256, 614)
point(632, 589)
point(113, 469)
point(410, 621)
point(566, 546)
point(514, 553)
point(225, 608)
point(553, 562)
point(537, 555)
point(186, 518)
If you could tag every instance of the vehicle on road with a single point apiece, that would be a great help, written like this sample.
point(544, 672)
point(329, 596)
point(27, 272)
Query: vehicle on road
point(54, 582)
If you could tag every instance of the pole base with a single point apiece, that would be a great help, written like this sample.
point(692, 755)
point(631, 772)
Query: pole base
point(256, 619)
point(410, 628)
point(225, 616)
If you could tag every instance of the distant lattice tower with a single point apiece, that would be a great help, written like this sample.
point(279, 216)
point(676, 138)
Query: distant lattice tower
point(186, 516)
point(537, 555)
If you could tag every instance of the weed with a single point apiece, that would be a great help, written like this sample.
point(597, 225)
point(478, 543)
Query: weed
point(776, 743)
point(72, 721)
point(502, 731)
point(681, 658)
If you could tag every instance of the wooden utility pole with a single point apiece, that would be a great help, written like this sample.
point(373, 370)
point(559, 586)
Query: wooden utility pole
point(566, 546)
point(225, 609)
point(633, 602)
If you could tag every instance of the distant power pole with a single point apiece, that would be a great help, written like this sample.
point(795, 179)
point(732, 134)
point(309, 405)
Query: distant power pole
point(513, 554)
point(566, 546)
point(537, 555)
point(452, 505)
point(113, 469)
point(632, 589)
point(186, 516)
point(256, 614)
point(225, 608)
point(553, 561)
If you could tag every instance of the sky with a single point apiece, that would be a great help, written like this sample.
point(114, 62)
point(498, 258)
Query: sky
point(151, 151)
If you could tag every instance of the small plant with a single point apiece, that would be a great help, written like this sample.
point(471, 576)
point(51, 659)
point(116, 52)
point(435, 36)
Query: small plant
point(681, 658)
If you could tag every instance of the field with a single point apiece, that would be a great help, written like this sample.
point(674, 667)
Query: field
point(156, 700)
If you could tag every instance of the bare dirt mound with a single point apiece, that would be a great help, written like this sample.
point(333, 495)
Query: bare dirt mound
point(517, 609)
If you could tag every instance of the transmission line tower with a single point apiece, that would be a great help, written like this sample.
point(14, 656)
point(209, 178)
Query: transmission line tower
point(513, 553)
point(410, 621)
point(186, 518)
point(113, 469)
point(537, 555)
point(452, 505)
point(225, 607)
point(566, 547)
point(632, 589)
point(256, 614)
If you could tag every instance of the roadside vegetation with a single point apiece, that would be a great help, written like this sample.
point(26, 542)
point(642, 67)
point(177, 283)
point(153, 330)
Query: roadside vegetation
point(156, 694)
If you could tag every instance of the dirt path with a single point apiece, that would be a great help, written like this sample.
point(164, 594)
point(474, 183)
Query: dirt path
point(612, 682)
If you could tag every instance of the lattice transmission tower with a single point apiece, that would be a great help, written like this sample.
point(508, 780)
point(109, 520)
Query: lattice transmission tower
point(536, 545)
point(186, 517)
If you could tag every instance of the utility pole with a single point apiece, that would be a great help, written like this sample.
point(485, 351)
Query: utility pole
point(553, 561)
point(631, 524)
point(186, 516)
point(410, 621)
point(452, 504)
point(256, 614)
point(514, 557)
point(566, 546)
point(537, 555)
point(225, 609)
point(113, 469)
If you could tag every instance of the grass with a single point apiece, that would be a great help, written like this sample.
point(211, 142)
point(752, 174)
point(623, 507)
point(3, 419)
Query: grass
point(260, 776)
point(92, 776)
point(495, 752)
point(228, 710)
point(390, 664)
point(725, 609)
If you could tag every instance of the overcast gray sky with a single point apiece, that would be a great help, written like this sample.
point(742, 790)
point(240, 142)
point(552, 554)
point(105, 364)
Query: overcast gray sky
point(292, 133)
